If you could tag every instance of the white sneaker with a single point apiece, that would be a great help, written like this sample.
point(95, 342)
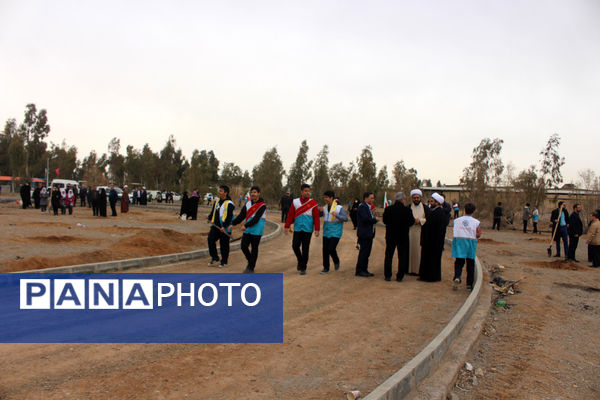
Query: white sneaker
point(222, 265)
point(456, 283)
point(212, 262)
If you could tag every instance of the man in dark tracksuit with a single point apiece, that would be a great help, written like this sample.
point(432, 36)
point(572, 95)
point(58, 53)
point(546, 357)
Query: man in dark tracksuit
point(397, 219)
point(575, 231)
point(253, 213)
point(365, 232)
point(560, 217)
point(285, 203)
point(220, 219)
point(497, 216)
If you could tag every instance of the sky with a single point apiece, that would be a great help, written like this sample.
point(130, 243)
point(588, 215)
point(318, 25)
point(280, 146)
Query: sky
point(419, 81)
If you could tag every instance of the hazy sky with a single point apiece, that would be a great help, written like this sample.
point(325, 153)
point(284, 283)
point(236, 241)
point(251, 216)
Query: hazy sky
point(422, 81)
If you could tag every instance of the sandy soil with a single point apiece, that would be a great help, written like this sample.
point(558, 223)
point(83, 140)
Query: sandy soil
point(545, 343)
point(341, 332)
point(33, 240)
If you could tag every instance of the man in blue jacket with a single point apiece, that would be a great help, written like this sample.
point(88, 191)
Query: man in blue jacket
point(365, 232)
point(334, 217)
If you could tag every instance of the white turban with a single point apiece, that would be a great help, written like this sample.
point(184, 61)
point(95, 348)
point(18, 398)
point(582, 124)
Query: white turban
point(416, 191)
point(437, 197)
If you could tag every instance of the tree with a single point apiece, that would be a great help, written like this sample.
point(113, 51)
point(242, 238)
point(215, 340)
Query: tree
point(116, 162)
point(268, 175)
point(526, 185)
point(367, 170)
point(485, 170)
point(133, 165)
point(383, 184)
point(231, 174)
point(34, 130)
point(6, 140)
point(65, 160)
point(300, 170)
point(551, 162)
point(321, 181)
point(405, 179)
point(588, 179)
point(93, 169)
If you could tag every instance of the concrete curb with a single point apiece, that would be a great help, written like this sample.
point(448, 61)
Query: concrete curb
point(404, 381)
point(122, 265)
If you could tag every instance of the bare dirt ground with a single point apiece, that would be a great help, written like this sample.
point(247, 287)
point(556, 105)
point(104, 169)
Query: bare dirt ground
point(341, 332)
point(32, 240)
point(545, 343)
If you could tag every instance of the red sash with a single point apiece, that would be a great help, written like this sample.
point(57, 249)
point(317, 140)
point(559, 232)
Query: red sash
point(309, 205)
point(250, 212)
point(373, 207)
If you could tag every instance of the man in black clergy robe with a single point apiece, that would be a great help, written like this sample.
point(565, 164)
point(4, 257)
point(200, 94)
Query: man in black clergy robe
point(432, 242)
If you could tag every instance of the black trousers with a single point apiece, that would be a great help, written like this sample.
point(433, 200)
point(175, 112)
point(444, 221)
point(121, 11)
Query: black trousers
point(214, 235)
point(390, 248)
point(362, 264)
point(284, 214)
point(524, 226)
point(113, 209)
point(251, 255)
point(458, 267)
point(573, 242)
point(496, 223)
point(301, 247)
point(595, 255)
point(562, 233)
point(330, 250)
point(535, 227)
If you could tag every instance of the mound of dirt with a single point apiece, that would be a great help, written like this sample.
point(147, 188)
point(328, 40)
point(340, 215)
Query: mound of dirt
point(490, 241)
point(149, 242)
point(53, 239)
point(556, 264)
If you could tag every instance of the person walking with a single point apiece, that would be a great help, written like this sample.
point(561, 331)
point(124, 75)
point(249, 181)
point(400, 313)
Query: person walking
point(83, 193)
point(55, 200)
point(125, 200)
point(220, 227)
point(497, 216)
point(398, 220)
point(575, 231)
point(418, 212)
point(535, 217)
point(102, 203)
point(70, 201)
point(334, 217)
point(366, 232)
point(113, 197)
point(43, 199)
point(432, 241)
point(36, 196)
point(526, 217)
point(593, 239)
point(467, 230)
point(304, 215)
point(456, 210)
point(285, 203)
point(354, 212)
point(559, 216)
point(253, 214)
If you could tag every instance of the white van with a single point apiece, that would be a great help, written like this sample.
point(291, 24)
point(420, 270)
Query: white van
point(62, 183)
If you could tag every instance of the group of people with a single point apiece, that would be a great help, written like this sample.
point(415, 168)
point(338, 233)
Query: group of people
point(189, 205)
point(568, 228)
point(417, 232)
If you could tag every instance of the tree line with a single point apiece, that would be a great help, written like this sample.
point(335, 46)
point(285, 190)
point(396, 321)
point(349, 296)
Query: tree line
point(24, 152)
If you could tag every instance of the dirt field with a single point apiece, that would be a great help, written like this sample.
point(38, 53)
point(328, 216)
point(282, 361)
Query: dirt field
point(341, 332)
point(545, 343)
point(32, 239)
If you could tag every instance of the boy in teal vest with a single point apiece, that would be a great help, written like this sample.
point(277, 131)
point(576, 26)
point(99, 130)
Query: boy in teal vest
point(253, 213)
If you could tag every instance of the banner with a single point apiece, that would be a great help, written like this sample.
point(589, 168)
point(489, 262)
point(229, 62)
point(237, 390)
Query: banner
point(141, 308)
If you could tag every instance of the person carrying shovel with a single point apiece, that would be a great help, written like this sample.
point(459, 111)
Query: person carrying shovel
point(220, 229)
